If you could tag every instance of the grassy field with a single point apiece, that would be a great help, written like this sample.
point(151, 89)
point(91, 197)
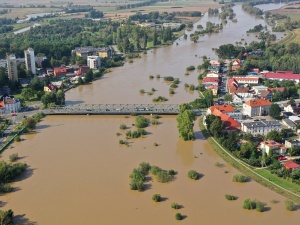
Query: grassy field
point(21, 12)
point(254, 174)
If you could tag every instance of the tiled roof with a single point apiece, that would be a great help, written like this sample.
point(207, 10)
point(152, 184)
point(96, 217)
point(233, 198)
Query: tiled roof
point(210, 79)
point(258, 102)
point(291, 165)
point(222, 108)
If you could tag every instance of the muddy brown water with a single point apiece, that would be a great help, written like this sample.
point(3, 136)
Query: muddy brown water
point(79, 172)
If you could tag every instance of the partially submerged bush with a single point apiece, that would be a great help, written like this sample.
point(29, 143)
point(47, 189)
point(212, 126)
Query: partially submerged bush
point(193, 175)
point(163, 176)
point(6, 188)
point(169, 78)
point(155, 169)
point(248, 204)
point(230, 197)
point(178, 216)
point(123, 126)
point(136, 185)
point(189, 68)
point(13, 157)
point(156, 197)
point(174, 205)
point(17, 139)
point(239, 178)
point(260, 207)
point(289, 205)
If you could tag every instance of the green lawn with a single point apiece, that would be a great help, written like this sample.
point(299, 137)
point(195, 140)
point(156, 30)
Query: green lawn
point(279, 181)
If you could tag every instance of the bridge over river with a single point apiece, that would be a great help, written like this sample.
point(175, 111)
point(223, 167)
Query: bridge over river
point(115, 109)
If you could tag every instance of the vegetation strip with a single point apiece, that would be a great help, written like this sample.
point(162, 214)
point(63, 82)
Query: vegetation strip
point(243, 167)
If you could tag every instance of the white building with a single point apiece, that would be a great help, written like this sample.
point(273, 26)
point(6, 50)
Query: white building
point(215, 75)
point(12, 70)
point(93, 62)
point(10, 105)
point(259, 89)
point(30, 60)
point(256, 107)
point(260, 127)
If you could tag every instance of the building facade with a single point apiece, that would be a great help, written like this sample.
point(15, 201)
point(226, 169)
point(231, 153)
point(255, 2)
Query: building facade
point(30, 60)
point(256, 107)
point(94, 61)
point(12, 70)
point(262, 127)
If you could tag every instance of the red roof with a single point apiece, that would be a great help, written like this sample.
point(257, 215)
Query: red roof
point(221, 108)
point(239, 90)
point(279, 89)
point(288, 75)
point(258, 102)
point(230, 122)
point(213, 87)
point(291, 165)
point(60, 70)
point(210, 79)
point(233, 83)
point(246, 78)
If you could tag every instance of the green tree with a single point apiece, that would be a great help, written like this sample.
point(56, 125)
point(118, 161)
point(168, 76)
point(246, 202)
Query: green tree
point(6, 217)
point(228, 98)
point(185, 122)
point(141, 122)
point(88, 76)
point(27, 93)
point(275, 110)
point(29, 122)
point(274, 135)
point(60, 97)
point(217, 127)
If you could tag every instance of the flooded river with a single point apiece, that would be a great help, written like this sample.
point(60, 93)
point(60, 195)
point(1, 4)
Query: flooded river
point(79, 172)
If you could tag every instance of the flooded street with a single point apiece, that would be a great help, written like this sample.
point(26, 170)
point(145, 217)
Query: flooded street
point(79, 173)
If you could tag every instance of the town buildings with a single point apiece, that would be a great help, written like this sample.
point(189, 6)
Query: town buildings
point(262, 127)
point(84, 52)
point(30, 60)
point(94, 62)
point(10, 105)
point(256, 107)
point(272, 146)
point(12, 70)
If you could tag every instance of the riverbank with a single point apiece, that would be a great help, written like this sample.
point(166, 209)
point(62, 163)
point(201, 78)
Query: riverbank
point(266, 179)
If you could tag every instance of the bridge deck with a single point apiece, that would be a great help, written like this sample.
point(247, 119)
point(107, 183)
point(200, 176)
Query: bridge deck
point(114, 109)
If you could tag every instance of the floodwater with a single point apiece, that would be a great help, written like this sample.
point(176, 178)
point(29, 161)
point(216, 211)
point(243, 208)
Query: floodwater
point(79, 173)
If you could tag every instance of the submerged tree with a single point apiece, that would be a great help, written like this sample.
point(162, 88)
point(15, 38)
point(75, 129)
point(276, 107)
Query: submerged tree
point(185, 122)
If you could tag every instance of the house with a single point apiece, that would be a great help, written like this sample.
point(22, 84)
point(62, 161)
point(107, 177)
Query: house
point(57, 84)
point(214, 69)
point(50, 88)
point(217, 110)
point(272, 146)
point(214, 63)
point(259, 89)
point(256, 107)
point(266, 94)
point(83, 70)
point(236, 64)
point(240, 98)
point(290, 165)
point(289, 124)
point(277, 89)
point(292, 143)
point(282, 75)
point(10, 105)
point(214, 89)
point(211, 81)
point(295, 119)
point(293, 108)
point(230, 123)
point(247, 80)
point(233, 87)
point(50, 71)
point(286, 115)
point(262, 127)
point(84, 52)
point(60, 71)
point(215, 75)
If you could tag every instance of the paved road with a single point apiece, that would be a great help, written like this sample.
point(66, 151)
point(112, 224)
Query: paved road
point(6, 133)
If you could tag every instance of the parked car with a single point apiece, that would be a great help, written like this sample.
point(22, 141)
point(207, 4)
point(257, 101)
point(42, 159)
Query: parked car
point(13, 114)
point(282, 157)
